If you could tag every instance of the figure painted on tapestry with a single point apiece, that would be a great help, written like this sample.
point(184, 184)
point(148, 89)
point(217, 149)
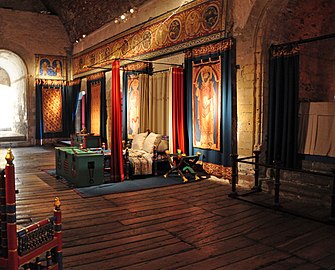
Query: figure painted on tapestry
point(44, 67)
point(49, 68)
point(206, 97)
point(57, 68)
point(133, 107)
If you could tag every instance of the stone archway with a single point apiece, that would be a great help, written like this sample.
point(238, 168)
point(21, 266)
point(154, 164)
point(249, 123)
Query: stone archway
point(284, 21)
point(13, 102)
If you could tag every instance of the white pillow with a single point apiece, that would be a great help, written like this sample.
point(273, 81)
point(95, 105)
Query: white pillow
point(150, 141)
point(138, 141)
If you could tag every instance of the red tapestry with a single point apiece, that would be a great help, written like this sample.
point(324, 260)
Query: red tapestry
point(133, 106)
point(206, 104)
point(52, 109)
point(95, 108)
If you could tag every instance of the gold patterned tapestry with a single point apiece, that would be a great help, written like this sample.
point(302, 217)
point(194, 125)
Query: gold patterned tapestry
point(206, 107)
point(95, 108)
point(52, 109)
point(133, 106)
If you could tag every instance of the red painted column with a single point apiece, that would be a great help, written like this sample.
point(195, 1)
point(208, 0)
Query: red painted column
point(11, 212)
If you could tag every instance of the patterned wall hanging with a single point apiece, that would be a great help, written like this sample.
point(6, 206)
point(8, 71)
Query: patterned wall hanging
point(206, 108)
point(133, 105)
point(52, 109)
point(95, 108)
point(50, 67)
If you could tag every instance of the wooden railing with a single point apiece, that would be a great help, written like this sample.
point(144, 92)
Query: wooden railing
point(254, 160)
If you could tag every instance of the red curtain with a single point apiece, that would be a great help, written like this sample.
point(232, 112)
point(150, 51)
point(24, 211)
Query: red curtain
point(117, 173)
point(178, 110)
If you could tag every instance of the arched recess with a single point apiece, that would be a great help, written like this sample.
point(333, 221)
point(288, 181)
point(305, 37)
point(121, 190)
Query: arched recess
point(13, 101)
point(282, 21)
point(262, 38)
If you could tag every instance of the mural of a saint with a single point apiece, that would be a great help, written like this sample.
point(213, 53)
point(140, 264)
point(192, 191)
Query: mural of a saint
point(44, 69)
point(49, 68)
point(133, 106)
point(206, 111)
point(57, 68)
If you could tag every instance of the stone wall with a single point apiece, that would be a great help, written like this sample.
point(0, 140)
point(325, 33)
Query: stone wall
point(256, 25)
point(27, 34)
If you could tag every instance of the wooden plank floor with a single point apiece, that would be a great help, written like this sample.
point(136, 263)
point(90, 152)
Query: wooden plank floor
point(191, 226)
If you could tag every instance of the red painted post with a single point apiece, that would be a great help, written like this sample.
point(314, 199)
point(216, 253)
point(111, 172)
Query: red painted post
point(58, 232)
point(11, 212)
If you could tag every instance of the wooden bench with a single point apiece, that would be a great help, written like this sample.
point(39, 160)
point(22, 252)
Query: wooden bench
point(37, 246)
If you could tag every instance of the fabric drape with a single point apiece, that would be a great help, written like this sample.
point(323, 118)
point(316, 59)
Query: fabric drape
point(140, 81)
point(39, 119)
point(124, 106)
point(225, 55)
point(108, 83)
point(83, 87)
point(283, 109)
point(45, 129)
point(158, 102)
point(95, 108)
point(95, 99)
point(52, 109)
point(131, 105)
point(178, 110)
point(117, 173)
point(72, 100)
point(144, 110)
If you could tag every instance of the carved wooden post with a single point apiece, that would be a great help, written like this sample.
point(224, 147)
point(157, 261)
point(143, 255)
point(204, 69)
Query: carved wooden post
point(11, 212)
point(277, 183)
point(127, 164)
point(234, 175)
point(154, 161)
point(257, 186)
point(58, 257)
point(3, 224)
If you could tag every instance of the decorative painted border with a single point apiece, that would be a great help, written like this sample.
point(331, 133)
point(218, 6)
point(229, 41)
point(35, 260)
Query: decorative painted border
point(191, 26)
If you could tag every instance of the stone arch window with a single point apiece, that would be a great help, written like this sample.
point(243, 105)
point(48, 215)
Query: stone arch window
point(13, 103)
